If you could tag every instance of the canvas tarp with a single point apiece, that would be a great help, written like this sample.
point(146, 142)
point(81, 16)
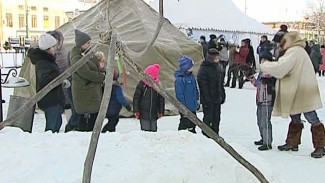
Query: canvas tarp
point(135, 23)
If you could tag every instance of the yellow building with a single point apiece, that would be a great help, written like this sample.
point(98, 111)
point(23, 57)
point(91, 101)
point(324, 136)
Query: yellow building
point(42, 16)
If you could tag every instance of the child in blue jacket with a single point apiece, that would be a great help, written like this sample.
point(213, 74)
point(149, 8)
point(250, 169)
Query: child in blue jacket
point(116, 102)
point(186, 91)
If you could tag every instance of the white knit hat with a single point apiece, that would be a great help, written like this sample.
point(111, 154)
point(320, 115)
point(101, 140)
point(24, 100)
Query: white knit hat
point(46, 41)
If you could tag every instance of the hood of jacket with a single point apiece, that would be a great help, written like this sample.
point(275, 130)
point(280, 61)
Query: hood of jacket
point(36, 54)
point(180, 73)
point(292, 39)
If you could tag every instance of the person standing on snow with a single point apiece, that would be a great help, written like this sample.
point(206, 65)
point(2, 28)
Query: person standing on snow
point(204, 45)
point(296, 92)
point(321, 71)
point(212, 92)
point(265, 96)
point(240, 56)
point(265, 45)
point(212, 41)
point(46, 70)
point(116, 102)
point(148, 104)
point(186, 91)
point(224, 57)
point(86, 83)
point(316, 56)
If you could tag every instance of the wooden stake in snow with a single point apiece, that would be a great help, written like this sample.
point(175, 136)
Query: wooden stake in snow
point(102, 113)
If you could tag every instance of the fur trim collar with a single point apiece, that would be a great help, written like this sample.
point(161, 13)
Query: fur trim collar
point(292, 39)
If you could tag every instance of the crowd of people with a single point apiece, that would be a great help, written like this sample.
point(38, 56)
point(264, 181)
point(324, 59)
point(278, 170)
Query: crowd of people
point(286, 84)
point(286, 74)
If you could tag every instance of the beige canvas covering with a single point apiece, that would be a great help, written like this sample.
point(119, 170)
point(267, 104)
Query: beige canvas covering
point(135, 23)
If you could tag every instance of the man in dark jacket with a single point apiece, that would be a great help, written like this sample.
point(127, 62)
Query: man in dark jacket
point(212, 92)
point(265, 45)
point(250, 59)
point(204, 45)
point(46, 70)
point(86, 83)
point(316, 56)
point(212, 42)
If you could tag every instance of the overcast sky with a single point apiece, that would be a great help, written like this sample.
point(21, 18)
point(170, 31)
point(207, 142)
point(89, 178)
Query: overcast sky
point(274, 10)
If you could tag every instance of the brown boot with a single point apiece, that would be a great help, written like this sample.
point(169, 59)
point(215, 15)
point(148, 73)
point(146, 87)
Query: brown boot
point(318, 134)
point(293, 137)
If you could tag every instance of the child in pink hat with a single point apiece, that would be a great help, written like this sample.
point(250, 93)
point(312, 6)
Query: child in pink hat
point(148, 104)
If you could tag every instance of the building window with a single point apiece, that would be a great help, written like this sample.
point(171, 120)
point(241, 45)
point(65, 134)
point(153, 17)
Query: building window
point(45, 9)
point(34, 21)
point(9, 19)
point(20, 7)
point(46, 21)
point(57, 21)
point(21, 20)
point(33, 8)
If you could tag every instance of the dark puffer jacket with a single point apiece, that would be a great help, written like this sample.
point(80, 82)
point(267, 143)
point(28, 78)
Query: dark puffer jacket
point(148, 102)
point(46, 70)
point(211, 83)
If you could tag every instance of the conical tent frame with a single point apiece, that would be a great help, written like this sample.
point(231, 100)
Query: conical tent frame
point(108, 84)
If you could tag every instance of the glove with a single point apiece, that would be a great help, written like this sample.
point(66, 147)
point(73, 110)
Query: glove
point(160, 115)
point(137, 115)
point(66, 83)
point(128, 108)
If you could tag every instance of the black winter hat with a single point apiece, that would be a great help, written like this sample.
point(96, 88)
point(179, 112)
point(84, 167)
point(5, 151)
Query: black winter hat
point(81, 38)
point(211, 54)
point(202, 37)
point(264, 36)
point(213, 36)
point(266, 54)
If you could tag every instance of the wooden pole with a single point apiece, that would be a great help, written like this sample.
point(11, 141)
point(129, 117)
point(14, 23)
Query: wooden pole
point(206, 129)
point(39, 95)
point(102, 113)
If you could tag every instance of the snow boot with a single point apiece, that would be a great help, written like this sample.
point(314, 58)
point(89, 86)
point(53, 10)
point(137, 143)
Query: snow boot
point(258, 143)
point(318, 136)
point(264, 147)
point(293, 137)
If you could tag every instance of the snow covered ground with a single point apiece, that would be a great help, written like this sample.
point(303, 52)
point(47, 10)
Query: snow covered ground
point(168, 156)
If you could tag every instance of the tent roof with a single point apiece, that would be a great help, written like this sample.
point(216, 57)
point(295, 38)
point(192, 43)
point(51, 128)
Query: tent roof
point(221, 15)
point(135, 23)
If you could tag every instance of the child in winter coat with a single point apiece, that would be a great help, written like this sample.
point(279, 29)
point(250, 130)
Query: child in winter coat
point(265, 96)
point(148, 104)
point(116, 102)
point(101, 60)
point(186, 91)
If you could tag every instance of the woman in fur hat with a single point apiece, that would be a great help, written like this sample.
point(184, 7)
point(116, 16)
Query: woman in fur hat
point(297, 92)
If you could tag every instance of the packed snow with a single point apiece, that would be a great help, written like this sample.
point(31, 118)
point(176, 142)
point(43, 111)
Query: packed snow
point(168, 156)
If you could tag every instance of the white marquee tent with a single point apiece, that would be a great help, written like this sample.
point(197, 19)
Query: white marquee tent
point(218, 17)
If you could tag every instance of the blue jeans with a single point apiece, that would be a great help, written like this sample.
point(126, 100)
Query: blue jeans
point(263, 114)
point(53, 117)
point(311, 117)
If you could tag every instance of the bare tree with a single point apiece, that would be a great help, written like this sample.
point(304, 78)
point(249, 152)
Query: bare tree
point(315, 14)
